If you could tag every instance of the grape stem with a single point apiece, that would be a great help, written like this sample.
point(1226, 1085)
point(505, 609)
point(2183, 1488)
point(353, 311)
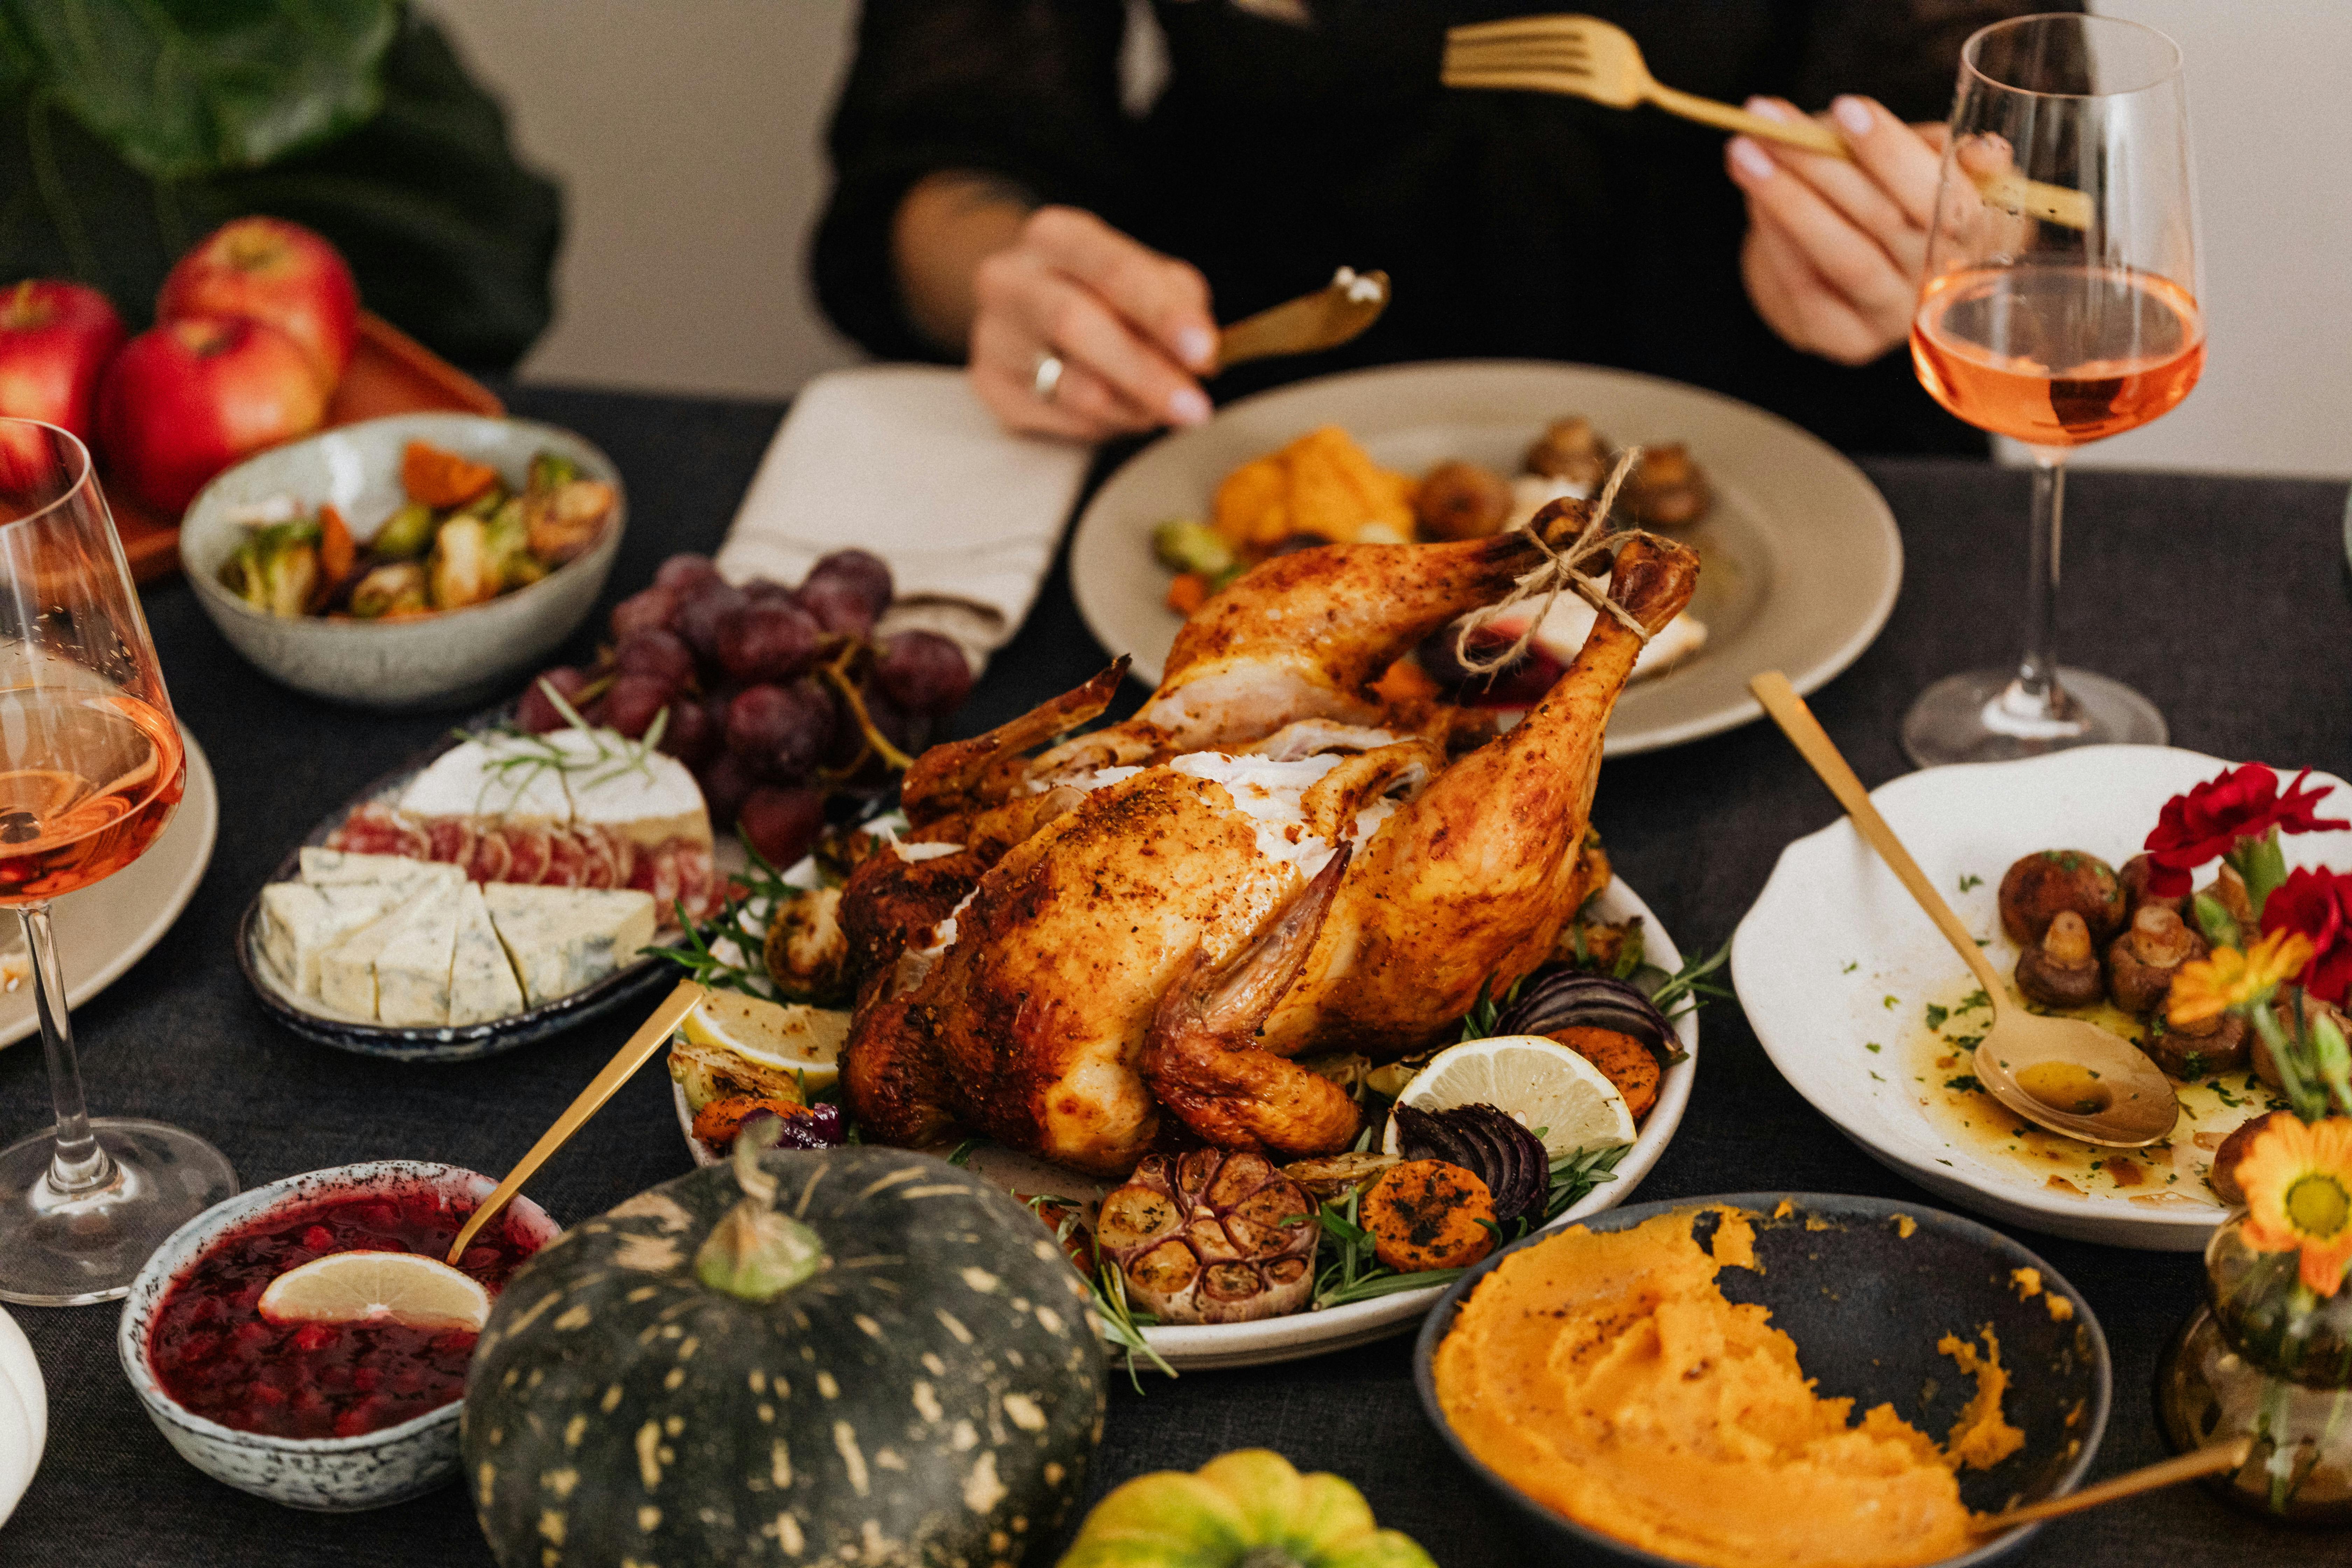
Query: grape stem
point(838, 677)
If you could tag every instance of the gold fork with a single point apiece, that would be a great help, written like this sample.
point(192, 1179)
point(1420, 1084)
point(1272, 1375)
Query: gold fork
point(1583, 57)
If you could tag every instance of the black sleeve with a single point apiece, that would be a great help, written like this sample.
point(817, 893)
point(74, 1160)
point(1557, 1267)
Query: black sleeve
point(1904, 53)
point(1025, 88)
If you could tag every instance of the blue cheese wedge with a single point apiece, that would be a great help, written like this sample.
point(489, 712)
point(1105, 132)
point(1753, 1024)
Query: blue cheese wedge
point(482, 980)
point(299, 922)
point(349, 973)
point(506, 777)
point(412, 971)
point(330, 867)
point(561, 938)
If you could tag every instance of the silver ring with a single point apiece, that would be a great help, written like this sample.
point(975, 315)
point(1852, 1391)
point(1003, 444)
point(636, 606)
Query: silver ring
point(1046, 378)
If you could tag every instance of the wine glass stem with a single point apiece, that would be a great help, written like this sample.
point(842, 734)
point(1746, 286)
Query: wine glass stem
point(2035, 693)
point(79, 1164)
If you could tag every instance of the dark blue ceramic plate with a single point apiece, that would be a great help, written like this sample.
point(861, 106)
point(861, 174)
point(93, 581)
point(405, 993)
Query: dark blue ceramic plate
point(449, 1042)
point(1867, 1305)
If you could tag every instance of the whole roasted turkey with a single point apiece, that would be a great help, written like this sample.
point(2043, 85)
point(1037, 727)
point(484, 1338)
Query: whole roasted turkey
point(1150, 920)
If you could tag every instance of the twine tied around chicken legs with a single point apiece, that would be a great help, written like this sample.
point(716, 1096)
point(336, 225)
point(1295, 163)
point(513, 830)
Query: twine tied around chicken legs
point(1561, 568)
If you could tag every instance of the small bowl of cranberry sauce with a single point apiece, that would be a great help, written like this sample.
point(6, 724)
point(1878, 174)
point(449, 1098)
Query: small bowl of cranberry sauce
point(334, 1417)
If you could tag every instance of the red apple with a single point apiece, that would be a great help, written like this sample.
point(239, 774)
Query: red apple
point(277, 272)
point(187, 399)
point(55, 339)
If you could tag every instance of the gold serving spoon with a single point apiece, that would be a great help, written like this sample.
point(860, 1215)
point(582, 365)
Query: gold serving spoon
point(618, 1071)
point(1583, 57)
point(2169, 1472)
point(1329, 317)
point(2069, 1076)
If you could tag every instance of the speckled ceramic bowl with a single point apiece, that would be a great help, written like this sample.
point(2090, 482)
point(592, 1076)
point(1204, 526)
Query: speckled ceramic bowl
point(334, 1475)
point(457, 657)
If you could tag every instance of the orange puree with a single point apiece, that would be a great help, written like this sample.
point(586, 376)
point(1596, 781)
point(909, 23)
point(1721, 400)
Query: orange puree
point(1608, 1377)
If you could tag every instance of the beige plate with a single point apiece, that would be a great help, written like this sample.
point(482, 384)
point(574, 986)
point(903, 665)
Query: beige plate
point(105, 929)
point(1802, 557)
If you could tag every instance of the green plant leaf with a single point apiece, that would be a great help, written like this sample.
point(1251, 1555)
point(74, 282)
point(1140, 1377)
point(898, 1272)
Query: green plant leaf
point(182, 89)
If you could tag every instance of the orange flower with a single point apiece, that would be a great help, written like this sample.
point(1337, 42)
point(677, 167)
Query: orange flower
point(2208, 987)
point(2298, 1182)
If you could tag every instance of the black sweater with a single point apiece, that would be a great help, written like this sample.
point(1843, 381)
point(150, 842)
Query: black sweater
point(1513, 225)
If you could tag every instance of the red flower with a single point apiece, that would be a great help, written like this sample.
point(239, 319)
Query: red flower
point(2207, 822)
point(2319, 905)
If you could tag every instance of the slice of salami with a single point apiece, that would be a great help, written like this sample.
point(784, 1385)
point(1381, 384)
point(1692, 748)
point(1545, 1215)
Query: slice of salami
point(492, 858)
point(528, 854)
point(376, 829)
point(449, 839)
point(597, 867)
point(567, 860)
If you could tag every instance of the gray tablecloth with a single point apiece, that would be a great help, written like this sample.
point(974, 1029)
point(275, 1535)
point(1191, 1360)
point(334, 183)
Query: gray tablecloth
point(2223, 599)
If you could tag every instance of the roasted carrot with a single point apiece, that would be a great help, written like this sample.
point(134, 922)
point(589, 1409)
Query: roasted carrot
point(1426, 1213)
point(1405, 682)
point(1188, 592)
point(717, 1122)
point(1622, 1059)
point(441, 479)
point(337, 554)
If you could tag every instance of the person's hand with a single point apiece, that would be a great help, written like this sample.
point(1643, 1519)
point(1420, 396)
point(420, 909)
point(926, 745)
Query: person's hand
point(1835, 249)
point(1128, 324)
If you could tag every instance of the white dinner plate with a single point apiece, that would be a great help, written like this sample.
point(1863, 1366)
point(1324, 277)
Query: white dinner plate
point(1800, 556)
point(1835, 959)
point(24, 1415)
point(109, 926)
point(1301, 1335)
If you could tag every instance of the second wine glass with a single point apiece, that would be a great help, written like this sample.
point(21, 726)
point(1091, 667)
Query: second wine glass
point(2056, 322)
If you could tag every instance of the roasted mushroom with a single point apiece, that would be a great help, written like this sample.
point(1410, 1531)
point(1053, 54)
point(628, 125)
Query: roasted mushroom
point(2037, 888)
point(2142, 962)
point(2218, 1045)
point(1462, 501)
point(1666, 490)
point(1212, 1238)
point(2134, 879)
point(1571, 449)
point(2223, 1176)
point(2062, 970)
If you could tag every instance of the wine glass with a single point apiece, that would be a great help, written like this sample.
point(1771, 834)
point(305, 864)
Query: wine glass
point(92, 766)
point(2060, 306)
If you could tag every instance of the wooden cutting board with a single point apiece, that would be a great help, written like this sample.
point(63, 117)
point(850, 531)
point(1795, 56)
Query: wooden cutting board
point(390, 372)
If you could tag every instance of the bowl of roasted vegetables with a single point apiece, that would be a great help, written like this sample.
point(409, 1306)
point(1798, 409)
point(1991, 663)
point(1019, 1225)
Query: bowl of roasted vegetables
point(417, 561)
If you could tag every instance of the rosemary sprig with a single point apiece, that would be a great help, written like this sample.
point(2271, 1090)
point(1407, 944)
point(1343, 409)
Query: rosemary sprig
point(1691, 986)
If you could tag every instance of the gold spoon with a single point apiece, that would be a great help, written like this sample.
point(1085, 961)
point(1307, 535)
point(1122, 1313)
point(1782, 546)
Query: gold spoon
point(1329, 317)
point(624, 1063)
point(2181, 1468)
point(2069, 1076)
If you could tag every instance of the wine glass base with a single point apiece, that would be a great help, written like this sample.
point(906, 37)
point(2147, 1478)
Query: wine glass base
point(1976, 718)
point(60, 1249)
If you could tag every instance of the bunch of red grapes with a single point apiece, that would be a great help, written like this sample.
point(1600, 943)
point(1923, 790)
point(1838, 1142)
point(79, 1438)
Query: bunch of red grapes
point(758, 682)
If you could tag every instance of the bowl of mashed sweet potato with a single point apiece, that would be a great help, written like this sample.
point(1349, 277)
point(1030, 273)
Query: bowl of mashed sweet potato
point(1768, 1381)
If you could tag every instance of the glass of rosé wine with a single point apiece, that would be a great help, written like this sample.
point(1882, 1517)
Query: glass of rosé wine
point(92, 766)
point(2060, 307)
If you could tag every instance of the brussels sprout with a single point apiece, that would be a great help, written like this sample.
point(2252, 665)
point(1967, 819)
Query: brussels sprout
point(276, 570)
point(405, 534)
point(1183, 545)
point(395, 586)
point(462, 570)
point(484, 504)
point(565, 520)
point(507, 534)
point(550, 469)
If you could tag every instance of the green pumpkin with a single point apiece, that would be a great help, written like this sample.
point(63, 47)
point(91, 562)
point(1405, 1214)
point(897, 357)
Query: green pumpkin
point(859, 1355)
point(1244, 1509)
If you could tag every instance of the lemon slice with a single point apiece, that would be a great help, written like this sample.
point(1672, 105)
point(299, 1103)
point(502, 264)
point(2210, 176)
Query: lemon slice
point(1538, 1083)
point(400, 1288)
point(789, 1038)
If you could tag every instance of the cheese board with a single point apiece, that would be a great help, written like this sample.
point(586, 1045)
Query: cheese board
point(494, 891)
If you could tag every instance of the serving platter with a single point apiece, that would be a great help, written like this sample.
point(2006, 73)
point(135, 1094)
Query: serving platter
point(1207, 1346)
point(109, 926)
point(1801, 559)
point(1836, 966)
point(313, 1020)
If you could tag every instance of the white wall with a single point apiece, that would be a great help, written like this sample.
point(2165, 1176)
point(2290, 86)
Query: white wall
point(686, 134)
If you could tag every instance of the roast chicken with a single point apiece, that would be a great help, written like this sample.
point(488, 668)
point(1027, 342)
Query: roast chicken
point(1120, 941)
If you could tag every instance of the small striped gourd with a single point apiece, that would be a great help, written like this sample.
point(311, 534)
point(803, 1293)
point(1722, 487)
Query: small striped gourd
point(1247, 1509)
point(854, 1355)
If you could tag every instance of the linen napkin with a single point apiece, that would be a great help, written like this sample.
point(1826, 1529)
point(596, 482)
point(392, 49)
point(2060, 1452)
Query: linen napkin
point(903, 460)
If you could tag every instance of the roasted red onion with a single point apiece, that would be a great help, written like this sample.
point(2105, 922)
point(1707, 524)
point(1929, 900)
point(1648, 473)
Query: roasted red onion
point(1557, 996)
point(1489, 1144)
point(820, 1127)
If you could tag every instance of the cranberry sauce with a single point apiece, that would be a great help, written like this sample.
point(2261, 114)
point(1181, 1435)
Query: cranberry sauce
point(214, 1354)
